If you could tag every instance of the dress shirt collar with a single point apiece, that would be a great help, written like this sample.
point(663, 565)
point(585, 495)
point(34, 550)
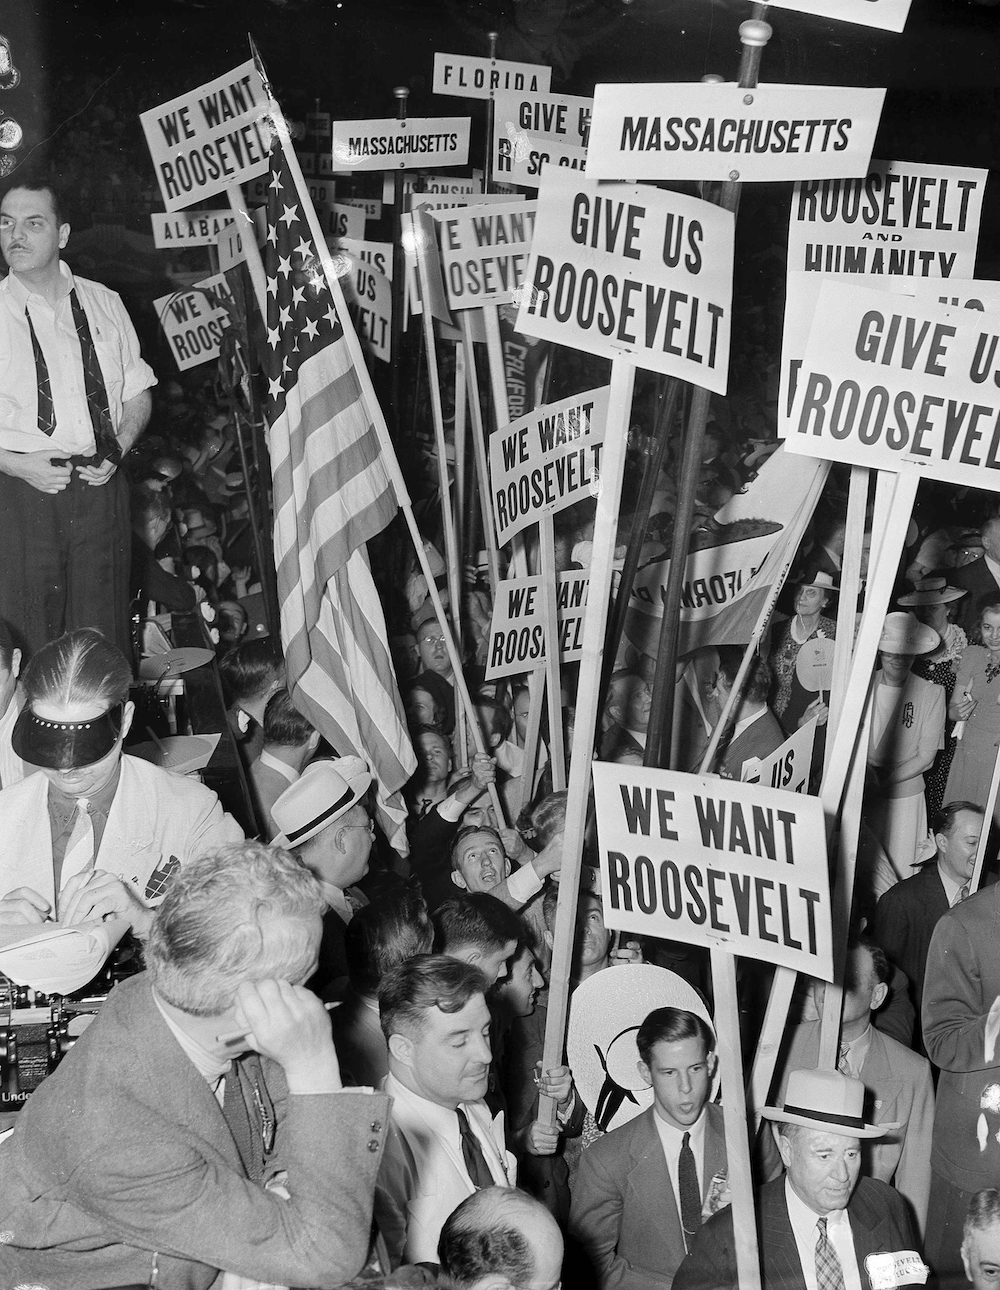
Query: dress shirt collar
point(994, 568)
point(282, 767)
point(336, 899)
point(672, 1137)
point(951, 887)
point(638, 735)
point(838, 1228)
point(207, 1064)
point(857, 1051)
point(64, 804)
point(745, 723)
point(21, 293)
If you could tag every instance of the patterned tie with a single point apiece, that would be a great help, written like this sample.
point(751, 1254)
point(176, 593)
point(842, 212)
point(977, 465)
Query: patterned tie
point(690, 1194)
point(829, 1273)
point(962, 894)
point(245, 1076)
point(97, 396)
point(844, 1064)
point(46, 410)
point(472, 1154)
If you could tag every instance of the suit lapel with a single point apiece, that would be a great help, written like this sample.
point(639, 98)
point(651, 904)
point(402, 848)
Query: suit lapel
point(782, 1266)
point(715, 1152)
point(649, 1180)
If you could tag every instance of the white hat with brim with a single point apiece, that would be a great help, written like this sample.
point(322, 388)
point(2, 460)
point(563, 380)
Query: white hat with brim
point(605, 1014)
point(931, 591)
point(821, 580)
point(904, 633)
point(828, 1101)
point(324, 792)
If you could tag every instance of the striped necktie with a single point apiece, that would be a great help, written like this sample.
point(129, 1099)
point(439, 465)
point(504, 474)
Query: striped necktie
point(829, 1273)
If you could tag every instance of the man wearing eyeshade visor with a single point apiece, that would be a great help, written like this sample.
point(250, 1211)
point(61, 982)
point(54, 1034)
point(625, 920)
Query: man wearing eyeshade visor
point(93, 832)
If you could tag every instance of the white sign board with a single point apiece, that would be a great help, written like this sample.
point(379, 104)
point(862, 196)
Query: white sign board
point(708, 131)
point(522, 159)
point(890, 15)
point(431, 185)
point(372, 206)
point(517, 629)
point(195, 228)
point(716, 863)
point(788, 766)
point(627, 270)
point(897, 384)
point(193, 321)
point(484, 252)
point(369, 295)
point(392, 144)
point(531, 131)
point(546, 461)
point(376, 254)
point(465, 76)
point(209, 139)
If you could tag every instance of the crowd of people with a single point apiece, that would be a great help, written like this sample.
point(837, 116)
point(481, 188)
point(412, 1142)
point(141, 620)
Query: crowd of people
point(330, 1066)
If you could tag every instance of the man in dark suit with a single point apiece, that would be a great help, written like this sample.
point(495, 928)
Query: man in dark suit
point(640, 1190)
point(908, 912)
point(152, 1155)
point(980, 578)
point(819, 1215)
point(626, 713)
point(324, 822)
point(755, 733)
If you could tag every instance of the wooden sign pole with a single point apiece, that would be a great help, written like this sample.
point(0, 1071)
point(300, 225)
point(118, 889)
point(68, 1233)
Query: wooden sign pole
point(479, 450)
point(536, 694)
point(553, 675)
point(492, 36)
point(400, 94)
point(594, 623)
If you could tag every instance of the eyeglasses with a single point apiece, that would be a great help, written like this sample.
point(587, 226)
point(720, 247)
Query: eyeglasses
point(369, 828)
point(432, 640)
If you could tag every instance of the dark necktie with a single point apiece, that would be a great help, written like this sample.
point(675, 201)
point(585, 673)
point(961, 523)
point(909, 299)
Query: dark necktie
point(472, 1154)
point(97, 396)
point(829, 1273)
point(249, 1144)
point(690, 1194)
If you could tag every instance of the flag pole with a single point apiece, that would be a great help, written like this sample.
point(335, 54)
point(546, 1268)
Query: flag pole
point(378, 418)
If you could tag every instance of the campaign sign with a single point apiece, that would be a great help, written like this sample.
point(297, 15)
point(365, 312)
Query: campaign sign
point(546, 461)
point(521, 159)
point(708, 131)
point(619, 269)
point(376, 254)
point(431, 185)
point(517, 629)
point(372, 206)
point(467, 77)
point(193, 321)
point(713, 862)
point(369, 297)
point(890, 15)
point(901, 219)
point(788, 766)
point(210, 138)
point(484, 252)
point(233, 245)
point(896, 383)
point(392, 144)
point(436, 202)
point(196, 228)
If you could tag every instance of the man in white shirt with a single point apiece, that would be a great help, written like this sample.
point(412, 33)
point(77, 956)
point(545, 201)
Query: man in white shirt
point(444, 1143)
point(75, 398)
point(820, 1228)
point(325, 823)
point(640, 1190)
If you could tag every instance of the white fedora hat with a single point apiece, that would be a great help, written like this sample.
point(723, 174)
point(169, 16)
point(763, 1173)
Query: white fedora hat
point(324, 792)
point(829, 1101)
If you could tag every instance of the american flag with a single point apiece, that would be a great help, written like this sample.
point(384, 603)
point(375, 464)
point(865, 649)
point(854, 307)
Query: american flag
point(331, 494)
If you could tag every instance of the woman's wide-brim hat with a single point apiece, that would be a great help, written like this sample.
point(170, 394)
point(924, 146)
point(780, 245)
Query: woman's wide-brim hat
point(829, 1101)
point(931, 591)
point(605, 1014)
point(904, 633)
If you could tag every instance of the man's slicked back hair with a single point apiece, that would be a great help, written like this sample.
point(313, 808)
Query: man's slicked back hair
point(409, 991)
point(672, 1025)
point(79, 667)
point(476, 919)
point(390, 930)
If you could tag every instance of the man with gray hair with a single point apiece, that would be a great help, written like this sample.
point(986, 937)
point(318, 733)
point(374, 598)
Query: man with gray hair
point(501, 1238)
point(200, 1125)
point(981, 1240)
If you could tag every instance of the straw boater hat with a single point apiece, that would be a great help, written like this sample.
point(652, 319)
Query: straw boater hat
point(324, 792)
point(829, 1101)
point(904, 633)
point(931, 591)
point(604, 1018)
